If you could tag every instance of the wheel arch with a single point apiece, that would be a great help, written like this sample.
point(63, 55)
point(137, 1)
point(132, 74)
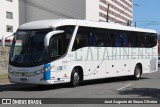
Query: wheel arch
point(141, 67)
point(80, 70)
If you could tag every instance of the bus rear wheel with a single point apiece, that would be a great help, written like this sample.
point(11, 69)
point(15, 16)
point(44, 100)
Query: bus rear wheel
point(137, 72)
point(75, 78)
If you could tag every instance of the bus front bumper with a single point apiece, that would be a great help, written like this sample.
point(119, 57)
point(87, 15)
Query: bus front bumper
point(37, 79)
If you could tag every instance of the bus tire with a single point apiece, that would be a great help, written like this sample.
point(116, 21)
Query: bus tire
point(137, 72)
point(75, 78)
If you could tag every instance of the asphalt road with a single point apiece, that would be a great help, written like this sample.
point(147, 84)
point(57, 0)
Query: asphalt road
point(123, 87)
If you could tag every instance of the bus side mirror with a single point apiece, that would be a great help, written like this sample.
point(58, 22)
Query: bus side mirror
point(5, 37)
point(49, 36)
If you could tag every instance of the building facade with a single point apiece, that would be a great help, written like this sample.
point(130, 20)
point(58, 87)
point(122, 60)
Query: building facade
point(9, 18)
point(32, 10)
point(18, 12)
point(119, 11)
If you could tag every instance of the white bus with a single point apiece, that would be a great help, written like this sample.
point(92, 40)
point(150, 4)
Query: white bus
point(69, 50)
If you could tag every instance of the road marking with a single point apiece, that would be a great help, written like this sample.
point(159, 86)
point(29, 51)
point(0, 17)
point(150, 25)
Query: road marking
point(124, 87)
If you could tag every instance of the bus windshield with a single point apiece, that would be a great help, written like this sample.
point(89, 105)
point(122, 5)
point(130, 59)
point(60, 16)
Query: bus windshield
point(28, 48)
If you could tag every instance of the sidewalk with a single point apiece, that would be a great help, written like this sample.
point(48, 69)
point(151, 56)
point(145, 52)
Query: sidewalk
point(4, 78)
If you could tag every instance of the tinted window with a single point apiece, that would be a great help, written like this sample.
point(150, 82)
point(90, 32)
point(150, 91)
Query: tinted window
point(59, 43)
point(121, 39)
point(146, 40)
point(67, 35)
point(28, 48)
point(110, 39)
point(98, 37)
point(83, 38)
point(140, 39)
point(153, 40)
point(132, 39)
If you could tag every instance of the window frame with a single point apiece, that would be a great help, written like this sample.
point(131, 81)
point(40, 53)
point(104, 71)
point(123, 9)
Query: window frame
point(9, 15)
point(7, 28)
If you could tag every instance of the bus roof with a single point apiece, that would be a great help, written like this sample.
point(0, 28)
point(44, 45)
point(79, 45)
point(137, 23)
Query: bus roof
point(43, 24)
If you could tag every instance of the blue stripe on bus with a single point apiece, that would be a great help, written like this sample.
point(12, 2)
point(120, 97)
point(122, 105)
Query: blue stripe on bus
point(47, 74)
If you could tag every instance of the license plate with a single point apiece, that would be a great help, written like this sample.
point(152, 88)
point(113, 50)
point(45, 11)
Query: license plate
point(23, 79)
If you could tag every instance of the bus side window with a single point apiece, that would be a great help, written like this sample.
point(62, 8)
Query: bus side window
point(125, 39)
point(121, 39)
point(153, 40)
point(140, 39)
point(67, 35)
point(100, 37)
point(106, 39)
point(132, 39)
point(146, 40)
point(82, 38)
point(79, 41)
point(111, 39)
point(118, 39)
point(92, 38)
point(129, 40)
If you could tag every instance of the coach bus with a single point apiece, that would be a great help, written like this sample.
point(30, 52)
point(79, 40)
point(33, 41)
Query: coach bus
point(71, 51)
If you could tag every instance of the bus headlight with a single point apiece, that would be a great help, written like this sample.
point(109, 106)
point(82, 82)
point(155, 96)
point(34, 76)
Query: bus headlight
point(47, 69)
point(39, 71)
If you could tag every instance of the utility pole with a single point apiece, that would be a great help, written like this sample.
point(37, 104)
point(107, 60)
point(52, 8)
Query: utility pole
point(107, 13)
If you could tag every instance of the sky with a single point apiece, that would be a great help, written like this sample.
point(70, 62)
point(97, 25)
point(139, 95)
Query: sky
point(146, 14)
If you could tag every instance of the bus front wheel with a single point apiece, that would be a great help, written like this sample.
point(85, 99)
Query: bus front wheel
point(137, 73)
point(74, 78)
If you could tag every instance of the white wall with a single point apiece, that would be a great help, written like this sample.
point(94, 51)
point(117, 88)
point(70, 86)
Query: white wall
point(32, 10)
point(92, 10)
point(10, 7)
